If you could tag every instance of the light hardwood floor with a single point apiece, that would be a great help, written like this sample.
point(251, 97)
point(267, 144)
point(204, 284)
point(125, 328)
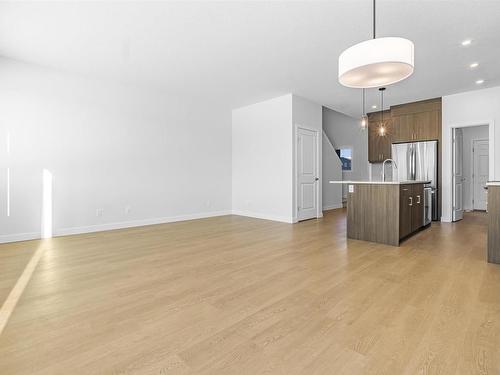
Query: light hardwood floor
point(234, 295)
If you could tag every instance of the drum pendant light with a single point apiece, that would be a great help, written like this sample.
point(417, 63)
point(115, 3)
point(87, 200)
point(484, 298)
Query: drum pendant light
point(376, 62)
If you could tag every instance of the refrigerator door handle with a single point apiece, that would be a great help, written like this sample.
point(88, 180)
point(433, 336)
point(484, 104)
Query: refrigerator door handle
point(411, 162)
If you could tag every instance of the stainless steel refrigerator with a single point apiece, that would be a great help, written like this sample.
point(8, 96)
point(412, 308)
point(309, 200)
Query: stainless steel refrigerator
point(417, 161)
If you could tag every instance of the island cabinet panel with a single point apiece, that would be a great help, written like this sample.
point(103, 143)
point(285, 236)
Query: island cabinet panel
point(384, 213)
point(411, 211)
point(372, 213)
point(494, 224)
point(417, 209)
point(405, 215)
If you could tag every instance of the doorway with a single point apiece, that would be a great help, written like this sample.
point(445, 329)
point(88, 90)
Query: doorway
point(470, 157)
point(480, 168)
point(307, 174)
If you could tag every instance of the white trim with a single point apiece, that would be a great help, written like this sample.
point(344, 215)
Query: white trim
point(112, 226)
point(319, 211)
point(491, 151)
point(257, 215)
point(7, 238)
point(333, 207)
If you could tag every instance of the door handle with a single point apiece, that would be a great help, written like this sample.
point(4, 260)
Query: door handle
point(418, 199)
point(316, 179)
point(411, 201)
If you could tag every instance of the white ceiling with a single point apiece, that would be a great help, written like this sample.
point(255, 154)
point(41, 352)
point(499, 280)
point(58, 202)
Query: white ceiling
point(243, 52)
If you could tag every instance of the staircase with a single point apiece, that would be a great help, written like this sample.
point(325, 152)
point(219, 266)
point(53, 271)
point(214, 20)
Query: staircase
point(332, 170)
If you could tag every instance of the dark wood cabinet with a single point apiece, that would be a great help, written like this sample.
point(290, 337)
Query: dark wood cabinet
point(410, 122)
point(405, 215)
point(417, 209)
point(379, 140)
point(403, 127)
point(494, 223)
point(384, 213)
point(426, 125)
point(419, 121)
point(411, 208)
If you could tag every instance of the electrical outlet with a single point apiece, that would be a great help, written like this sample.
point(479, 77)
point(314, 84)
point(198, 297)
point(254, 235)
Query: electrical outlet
point(99, 212)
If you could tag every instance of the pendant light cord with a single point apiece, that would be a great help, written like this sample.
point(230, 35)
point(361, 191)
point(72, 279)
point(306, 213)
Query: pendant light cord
point(382, 104)
point(374, 35)
point(363, 102)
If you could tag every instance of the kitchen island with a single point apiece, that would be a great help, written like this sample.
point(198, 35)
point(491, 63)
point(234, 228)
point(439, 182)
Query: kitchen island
point(493, 221)
point(384, 211)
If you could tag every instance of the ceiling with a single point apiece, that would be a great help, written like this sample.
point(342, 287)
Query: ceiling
point(244, 52)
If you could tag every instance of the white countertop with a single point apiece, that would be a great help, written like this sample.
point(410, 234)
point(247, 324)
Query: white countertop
point(493, 183)
point(382, 182)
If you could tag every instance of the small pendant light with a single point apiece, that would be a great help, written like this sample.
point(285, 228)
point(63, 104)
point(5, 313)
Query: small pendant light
point(364, 117)
point(382, 129)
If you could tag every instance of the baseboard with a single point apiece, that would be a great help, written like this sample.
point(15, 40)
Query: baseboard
point(257, 215)
point(7, 238)
point(112, 226)
point(136, 223)
point(332, 207)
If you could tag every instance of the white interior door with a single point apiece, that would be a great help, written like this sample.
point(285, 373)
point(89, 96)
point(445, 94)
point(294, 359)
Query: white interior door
point(307, 174)
point(458, 176)
point(480, 156)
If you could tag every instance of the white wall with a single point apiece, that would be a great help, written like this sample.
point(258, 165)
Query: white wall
point(478, 107)
point(264, 180)
point(344, 131)
point(309, 115)
point(469, 135)
point(108, 146)
point(262, 184)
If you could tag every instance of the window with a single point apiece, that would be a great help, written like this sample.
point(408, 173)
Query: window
point(345, 155)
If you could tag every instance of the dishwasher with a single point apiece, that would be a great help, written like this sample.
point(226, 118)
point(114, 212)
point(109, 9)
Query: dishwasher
point(428, 192)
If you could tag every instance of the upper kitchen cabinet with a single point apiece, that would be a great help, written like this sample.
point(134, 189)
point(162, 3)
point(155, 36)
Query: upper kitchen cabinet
point(419, 121)
point(403, 128)
point(379, 141)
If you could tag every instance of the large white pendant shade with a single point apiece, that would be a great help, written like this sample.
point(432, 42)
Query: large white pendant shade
point(376, 62)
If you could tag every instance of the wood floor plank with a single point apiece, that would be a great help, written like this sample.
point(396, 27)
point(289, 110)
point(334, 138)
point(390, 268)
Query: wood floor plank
point(235, 295)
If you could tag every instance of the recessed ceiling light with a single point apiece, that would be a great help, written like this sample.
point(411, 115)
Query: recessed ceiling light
point(474, 65)
point(374, 106)
point(466, 42)
point(479, 81)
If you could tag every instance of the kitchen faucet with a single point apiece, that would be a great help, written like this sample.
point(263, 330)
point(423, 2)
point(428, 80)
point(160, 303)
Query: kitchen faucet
point(383, 167)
